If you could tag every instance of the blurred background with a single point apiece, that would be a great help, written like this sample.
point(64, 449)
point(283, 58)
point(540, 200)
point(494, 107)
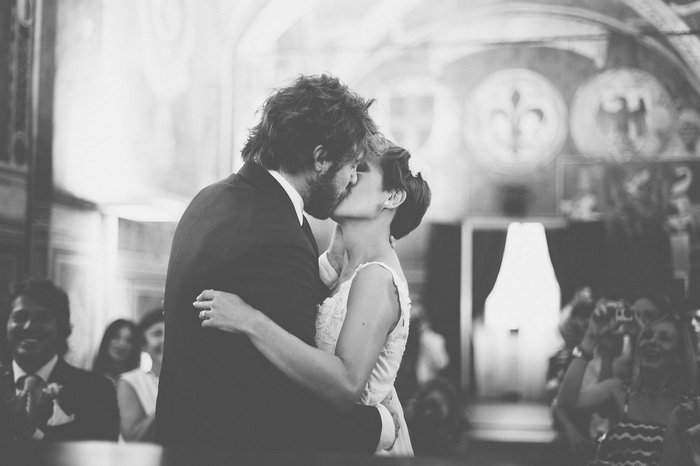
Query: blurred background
point(560, 139)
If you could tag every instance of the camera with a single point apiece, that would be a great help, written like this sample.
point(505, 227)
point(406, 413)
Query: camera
point(619, 311)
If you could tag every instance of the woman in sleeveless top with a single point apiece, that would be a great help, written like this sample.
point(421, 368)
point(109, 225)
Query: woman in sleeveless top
point(137, 389)
point(361, 329)
point(663, 370)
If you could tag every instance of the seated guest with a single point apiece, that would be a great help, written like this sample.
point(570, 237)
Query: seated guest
point(52, 401)
point(424, 358)
point(120, 350)
point(436, 421)
point(137, 389)
point(663, 370)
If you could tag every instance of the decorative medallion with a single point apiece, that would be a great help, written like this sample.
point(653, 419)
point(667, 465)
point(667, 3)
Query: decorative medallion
point(620, 115)
point(515, 121)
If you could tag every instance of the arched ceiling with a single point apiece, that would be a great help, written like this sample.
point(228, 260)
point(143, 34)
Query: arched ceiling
point(354, 34)
point(243, 48)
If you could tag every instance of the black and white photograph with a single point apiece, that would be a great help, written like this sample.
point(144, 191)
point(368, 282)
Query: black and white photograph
point(350, 232)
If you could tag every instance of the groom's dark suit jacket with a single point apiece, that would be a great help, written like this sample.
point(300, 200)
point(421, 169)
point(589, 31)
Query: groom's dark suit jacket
point(242, 235)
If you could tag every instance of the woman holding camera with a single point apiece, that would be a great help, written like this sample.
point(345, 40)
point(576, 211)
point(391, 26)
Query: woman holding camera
point(663, 370)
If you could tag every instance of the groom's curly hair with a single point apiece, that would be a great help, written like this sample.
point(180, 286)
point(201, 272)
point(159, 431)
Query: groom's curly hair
point(314, 110)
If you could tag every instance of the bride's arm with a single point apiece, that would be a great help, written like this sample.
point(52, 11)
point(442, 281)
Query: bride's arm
point(373, 310)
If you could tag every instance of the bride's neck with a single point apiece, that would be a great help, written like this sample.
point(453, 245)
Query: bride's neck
point(364, 242)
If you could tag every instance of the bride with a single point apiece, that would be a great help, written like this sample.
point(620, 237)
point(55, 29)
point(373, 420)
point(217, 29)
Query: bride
point(361, 329)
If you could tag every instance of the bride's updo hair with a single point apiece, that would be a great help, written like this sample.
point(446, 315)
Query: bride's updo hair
point(397, 176)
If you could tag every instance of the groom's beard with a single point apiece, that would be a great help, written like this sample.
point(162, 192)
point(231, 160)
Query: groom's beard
point(324, 196)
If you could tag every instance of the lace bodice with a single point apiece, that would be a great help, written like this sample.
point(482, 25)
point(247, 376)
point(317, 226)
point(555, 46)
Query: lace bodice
point(329, 323)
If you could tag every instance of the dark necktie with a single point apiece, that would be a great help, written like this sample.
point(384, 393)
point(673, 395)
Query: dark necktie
point(321, 289)
point(309, 234)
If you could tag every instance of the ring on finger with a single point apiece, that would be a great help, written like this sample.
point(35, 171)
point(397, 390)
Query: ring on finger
point(203, 315)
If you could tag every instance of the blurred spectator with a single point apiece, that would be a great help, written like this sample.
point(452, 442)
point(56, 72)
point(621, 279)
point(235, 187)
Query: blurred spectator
point(138, 388)
point(663, 370)
point(42, 396)
point(424, 358)
point(432, 353)
point(436, 421)
point(649, 305)
point(572, 445)
point(573, 321)
point(120, 350)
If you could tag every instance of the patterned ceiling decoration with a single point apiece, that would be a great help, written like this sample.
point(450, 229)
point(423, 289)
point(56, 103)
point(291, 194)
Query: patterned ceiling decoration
point(688, 9)
point(620, 115)
point(664, 18)
point(515, 121)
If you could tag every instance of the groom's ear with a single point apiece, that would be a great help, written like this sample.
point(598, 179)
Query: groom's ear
point(321, 162)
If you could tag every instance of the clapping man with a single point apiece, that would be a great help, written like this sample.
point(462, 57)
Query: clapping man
point(43, 397)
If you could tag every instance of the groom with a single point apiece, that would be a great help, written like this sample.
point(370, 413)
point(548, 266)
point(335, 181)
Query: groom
point(247, 235)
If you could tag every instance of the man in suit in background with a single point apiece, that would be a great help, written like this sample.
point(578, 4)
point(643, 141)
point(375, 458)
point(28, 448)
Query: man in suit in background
point(43, 397)
point(247, 235)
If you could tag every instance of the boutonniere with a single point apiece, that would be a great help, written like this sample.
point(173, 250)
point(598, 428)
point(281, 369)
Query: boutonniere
point(52, 392)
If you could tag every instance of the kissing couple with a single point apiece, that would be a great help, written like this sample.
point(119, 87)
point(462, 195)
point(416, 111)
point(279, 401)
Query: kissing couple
point(270, 347)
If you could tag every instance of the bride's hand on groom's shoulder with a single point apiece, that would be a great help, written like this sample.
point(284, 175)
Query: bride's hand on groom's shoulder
point(225, 311)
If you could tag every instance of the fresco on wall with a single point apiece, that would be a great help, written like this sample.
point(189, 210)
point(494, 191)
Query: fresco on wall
point(420, 113)
point(688, 129)
point(515, 122)
point(620, 115)
point(651, 213)
point(138, 101)
point(521, 179)
point(664, 192)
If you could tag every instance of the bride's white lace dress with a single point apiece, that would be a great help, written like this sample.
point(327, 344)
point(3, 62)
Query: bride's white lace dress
point(329, 322)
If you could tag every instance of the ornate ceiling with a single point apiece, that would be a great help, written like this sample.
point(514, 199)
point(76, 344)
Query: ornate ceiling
point(147, 84)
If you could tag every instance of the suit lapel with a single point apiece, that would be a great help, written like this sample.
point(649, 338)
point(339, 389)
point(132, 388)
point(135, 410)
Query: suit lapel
point(60, 375)
point(263, 180)
point(310, 234)
point(260, 177)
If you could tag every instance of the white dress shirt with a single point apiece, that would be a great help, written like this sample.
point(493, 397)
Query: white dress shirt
point(44, 372)
point(293, 194)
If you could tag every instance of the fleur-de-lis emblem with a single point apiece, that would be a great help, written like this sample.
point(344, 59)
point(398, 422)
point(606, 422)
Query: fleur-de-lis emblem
point(516, 123)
